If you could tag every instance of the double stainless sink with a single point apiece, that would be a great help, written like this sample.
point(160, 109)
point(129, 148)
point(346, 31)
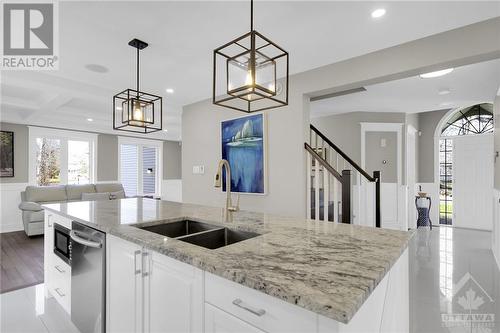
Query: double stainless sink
point(199, 233)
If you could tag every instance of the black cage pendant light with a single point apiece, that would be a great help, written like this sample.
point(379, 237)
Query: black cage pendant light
point(135, 110)
point(250, 73)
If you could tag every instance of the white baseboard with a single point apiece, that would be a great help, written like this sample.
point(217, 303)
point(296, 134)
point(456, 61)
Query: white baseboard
point(10, 215)
point(171, 190)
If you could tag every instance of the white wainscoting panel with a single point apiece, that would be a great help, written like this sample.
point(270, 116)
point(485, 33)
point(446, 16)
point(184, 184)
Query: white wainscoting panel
point(171, 190)
point(496, 226)
point(389, 205)
point(10, 215)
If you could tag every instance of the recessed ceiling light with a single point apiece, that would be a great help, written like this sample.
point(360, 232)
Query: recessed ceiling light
point(90, 119)
point(377, 13)
point(436, 73)
point(169, 90)
point(444, 91)
point(96, 68)
point(165, 130)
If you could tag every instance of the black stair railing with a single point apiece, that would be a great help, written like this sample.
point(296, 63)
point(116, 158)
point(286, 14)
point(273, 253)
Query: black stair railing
point(320, 149)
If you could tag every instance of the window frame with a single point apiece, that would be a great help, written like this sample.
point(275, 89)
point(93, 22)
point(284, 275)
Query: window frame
point(141, 143)
point(64, 136)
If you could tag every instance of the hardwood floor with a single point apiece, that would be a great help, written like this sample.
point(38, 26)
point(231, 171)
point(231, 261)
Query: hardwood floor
point(21, 260)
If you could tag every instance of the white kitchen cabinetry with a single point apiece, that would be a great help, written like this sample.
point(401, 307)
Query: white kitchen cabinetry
point(57, 273)
point(149, 292)
point(123, 286)
point(218, 321)
point(265, 312)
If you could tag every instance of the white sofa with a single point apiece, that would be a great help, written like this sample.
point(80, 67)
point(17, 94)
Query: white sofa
point(34, 196)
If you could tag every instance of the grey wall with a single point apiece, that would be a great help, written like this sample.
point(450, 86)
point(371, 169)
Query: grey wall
point(428, 121)
point(20, 153)
point(376, 154)
point(496, 110)
point(107, 157)
point(344, 130)
point(172, 160)
point(288, 126)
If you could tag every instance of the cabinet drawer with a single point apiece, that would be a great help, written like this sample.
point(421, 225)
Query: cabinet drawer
point(60, 281)
point(61, 290)
point(258, 309)
point(218, 321)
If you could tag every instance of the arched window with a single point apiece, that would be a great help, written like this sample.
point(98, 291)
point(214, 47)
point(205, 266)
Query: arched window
point(476, 119)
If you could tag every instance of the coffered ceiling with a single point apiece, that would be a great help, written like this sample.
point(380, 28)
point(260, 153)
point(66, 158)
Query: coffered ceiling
point(182, 36)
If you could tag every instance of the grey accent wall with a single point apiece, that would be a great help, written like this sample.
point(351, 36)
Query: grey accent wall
point(428, 121)
point(107, 157)
point(376, 155)
point(172, 160)
point(344, 130)
point(20, 153)
point(496, 110)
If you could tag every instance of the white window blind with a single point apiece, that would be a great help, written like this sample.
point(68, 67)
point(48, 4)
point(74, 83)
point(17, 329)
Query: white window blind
point(129, 169)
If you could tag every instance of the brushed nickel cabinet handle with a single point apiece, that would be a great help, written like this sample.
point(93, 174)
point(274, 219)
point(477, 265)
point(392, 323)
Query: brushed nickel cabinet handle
point(58, 269)
point(258, 312)
point(59, 293)
point(48, 220)
point(136, 253)
point(144, 260)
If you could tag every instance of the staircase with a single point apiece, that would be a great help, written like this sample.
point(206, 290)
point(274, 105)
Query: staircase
point(336, 184)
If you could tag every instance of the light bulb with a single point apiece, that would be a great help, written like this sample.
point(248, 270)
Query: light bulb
point(138, 114)
point(249, 79)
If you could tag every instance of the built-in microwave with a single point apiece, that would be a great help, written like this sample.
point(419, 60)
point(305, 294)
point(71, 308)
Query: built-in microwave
point(62, 243)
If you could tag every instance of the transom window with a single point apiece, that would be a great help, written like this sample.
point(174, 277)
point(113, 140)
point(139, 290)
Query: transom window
point(477, 119)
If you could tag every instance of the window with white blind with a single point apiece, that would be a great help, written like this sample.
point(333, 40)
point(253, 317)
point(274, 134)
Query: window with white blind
point(140, 166)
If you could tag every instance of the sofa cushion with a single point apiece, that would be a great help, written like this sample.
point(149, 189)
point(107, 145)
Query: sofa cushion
point(74, 192)
point(29, 205)
point(109, 187)
point(95, 196)
point(46, 193)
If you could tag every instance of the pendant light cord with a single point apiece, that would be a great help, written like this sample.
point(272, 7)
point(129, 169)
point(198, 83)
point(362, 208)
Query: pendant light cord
point(138, 72)
point(251, 15)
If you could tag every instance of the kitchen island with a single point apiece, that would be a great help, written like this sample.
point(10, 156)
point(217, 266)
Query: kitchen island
point(295, 275)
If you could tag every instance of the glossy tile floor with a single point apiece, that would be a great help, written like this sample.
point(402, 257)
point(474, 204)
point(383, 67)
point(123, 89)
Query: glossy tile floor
point(26, 310)
point(454, 282)
point(454, 287)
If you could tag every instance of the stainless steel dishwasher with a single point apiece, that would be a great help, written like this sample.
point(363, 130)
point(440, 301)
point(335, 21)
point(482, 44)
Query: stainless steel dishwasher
point(88, 273)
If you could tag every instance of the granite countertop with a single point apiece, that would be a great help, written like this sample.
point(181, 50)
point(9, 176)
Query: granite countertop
point(327, 268)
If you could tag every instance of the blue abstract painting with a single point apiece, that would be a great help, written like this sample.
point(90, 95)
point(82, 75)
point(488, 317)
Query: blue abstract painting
point(243, 147)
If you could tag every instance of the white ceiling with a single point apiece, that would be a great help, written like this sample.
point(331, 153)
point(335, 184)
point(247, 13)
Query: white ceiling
point(182, 36)
point(467, 85)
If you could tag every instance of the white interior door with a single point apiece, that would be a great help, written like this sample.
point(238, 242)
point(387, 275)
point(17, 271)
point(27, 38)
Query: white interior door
point(473, 181)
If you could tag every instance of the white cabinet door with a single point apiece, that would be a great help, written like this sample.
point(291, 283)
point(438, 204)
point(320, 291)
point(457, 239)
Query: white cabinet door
point(174, 296)
point(218, 321)
point(124, 286)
